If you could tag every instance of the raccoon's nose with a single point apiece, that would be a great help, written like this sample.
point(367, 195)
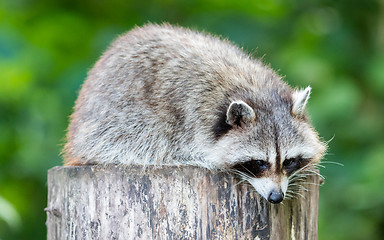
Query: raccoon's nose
point(276, 196)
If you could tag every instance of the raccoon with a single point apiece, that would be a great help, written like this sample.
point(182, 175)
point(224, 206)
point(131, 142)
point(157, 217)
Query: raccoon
point(165, 95)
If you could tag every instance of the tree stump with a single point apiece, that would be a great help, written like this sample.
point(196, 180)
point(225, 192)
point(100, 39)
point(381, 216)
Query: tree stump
point(133, 202)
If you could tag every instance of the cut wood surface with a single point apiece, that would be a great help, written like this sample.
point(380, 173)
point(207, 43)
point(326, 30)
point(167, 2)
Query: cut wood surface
point(132, 202)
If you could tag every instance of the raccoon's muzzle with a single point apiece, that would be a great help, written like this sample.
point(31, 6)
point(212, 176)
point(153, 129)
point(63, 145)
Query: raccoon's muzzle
point(276, 196)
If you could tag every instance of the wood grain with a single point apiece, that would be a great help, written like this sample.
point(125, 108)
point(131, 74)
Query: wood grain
point(132, 202)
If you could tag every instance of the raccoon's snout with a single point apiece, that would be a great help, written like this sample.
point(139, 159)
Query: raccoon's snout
point(276, 196)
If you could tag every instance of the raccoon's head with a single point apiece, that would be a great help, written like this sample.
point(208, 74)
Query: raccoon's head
point(268, 140)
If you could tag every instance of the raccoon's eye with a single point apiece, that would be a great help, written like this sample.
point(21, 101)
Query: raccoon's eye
point(292, 164)
point(253, 168)
point(261, 164)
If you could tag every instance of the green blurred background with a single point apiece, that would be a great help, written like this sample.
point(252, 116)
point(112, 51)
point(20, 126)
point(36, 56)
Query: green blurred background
point(336, 46)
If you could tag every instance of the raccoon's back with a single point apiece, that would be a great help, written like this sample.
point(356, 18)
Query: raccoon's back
point(154, 96)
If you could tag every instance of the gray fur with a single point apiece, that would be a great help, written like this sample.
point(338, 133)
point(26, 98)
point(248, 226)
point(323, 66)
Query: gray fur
point(160, 96)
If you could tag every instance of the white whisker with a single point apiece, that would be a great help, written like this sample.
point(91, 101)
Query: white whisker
point(331, 162)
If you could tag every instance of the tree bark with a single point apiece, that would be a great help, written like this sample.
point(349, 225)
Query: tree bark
point(132, 202)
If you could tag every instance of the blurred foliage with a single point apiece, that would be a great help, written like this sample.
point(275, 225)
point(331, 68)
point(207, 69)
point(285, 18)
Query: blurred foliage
point(337, 47)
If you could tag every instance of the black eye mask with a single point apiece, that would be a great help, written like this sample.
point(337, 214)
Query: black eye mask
point(252, 168)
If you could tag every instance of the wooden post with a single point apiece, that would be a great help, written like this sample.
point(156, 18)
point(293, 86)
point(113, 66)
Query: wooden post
point(132, 202)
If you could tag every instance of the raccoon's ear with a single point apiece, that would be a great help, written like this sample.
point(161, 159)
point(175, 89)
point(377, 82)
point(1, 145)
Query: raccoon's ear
point(300, 99)
point(240, 113)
